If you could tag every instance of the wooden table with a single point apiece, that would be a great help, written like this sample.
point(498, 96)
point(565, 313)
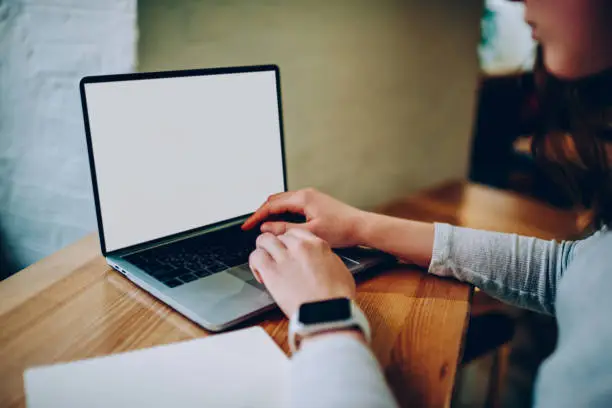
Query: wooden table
point(71, 305)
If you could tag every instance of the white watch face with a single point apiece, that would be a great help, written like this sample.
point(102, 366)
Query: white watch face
point(328, 311)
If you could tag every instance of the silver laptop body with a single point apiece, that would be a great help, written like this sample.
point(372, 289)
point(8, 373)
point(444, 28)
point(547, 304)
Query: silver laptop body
point(166, 195)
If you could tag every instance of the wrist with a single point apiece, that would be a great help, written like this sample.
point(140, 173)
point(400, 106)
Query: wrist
point(354, 333)
point(409, 240)
point(362, 227)
point(338, 316)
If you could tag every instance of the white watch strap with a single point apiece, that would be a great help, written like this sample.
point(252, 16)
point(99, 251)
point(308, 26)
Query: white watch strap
point(297, 329)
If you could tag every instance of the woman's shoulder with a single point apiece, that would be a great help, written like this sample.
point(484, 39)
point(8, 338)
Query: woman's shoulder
point(598, 244)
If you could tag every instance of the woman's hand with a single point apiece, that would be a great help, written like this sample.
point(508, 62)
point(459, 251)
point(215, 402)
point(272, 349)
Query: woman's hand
point(298, 267)
point(343, 226)
point(326, 217)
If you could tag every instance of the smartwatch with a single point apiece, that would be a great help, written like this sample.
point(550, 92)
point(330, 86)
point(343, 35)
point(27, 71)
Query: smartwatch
point(326, 315)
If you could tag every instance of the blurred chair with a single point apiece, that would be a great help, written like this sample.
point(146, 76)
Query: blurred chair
point(491, 328)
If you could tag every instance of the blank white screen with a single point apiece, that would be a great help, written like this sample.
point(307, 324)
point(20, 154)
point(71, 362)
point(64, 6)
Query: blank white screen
point(175, 154)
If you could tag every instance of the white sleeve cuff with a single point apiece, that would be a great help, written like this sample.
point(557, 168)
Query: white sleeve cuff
point(442, 246)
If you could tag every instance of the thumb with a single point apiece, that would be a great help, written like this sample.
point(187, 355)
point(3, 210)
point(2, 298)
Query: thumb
point(279, 227)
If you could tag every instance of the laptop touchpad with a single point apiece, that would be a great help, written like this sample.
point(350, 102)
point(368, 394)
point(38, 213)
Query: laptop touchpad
point(244, 273)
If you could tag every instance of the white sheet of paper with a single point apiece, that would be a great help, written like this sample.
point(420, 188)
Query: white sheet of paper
point(238, 369)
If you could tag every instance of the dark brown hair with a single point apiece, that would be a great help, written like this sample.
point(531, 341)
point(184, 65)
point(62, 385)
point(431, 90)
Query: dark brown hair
point(573, 133)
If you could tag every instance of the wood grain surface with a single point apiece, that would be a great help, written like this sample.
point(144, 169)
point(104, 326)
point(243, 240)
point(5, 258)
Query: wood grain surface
point(71, 305)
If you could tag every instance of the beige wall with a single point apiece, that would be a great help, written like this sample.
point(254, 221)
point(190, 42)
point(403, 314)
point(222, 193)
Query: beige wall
point(378, 95)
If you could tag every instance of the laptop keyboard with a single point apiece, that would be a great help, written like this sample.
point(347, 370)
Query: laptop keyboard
point(188, 260)
point(185, 261)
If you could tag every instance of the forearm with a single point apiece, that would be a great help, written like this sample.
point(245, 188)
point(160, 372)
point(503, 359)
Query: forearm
point(522, 271)
point(409, 240)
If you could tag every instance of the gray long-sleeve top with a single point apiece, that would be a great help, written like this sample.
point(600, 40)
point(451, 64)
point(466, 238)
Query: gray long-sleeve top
point(571, 280)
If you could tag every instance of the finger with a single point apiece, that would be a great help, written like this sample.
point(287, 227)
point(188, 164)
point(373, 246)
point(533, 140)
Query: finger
point(302, 234)
point(291, 241)
point(278, 228)
point(276, 195)
point(257, 275)
point(251, 221)
point(272, 245)
point(289, 202)
point(261, 264)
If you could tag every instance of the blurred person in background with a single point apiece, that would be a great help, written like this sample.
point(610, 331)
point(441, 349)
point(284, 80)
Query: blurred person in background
point(571, 280)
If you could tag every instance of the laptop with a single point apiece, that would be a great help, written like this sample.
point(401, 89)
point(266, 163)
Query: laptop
point(179, 160)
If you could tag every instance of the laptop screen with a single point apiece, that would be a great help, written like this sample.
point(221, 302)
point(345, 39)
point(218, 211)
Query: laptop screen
point(174, 154)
